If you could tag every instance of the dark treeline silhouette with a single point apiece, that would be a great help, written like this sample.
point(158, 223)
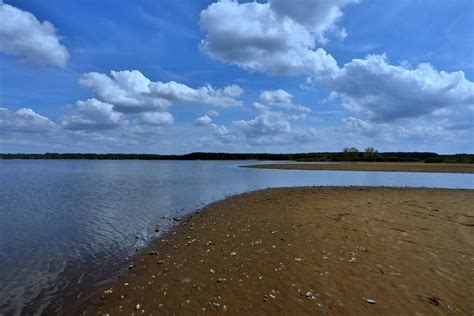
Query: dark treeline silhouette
point(348, 154)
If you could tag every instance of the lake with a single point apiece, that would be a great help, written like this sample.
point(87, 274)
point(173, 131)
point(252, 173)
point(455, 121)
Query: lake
point(66, 225)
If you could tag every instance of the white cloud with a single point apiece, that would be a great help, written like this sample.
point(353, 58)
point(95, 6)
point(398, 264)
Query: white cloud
point(127, 91)
point(298, 117)
point(203, 120)
point(93, 115)
point(280, 99)
point(456, 119)
point(222, 134)
point(157, 118)
point(260, 108)
point(21, 34)
point(180, 93)
point(271, 128)
point(213, 113)
point(417, 132)
point(131, 91)
point(382, 92)
point(24, 120)
point(268, 123)
point(281, 37)
point(318, 16)
point(274, 37)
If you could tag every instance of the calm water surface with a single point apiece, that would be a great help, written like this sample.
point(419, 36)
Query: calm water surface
point(65, 225)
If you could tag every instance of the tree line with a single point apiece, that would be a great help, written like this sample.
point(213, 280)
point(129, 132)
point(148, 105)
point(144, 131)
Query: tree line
point(347, 154)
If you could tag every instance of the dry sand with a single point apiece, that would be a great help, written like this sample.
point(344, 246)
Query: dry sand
point(308, 251)
point(374, 166)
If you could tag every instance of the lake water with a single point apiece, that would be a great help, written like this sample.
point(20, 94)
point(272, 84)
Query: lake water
point(65, 225)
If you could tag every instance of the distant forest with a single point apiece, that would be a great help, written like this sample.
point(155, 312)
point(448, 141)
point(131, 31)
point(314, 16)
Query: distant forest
point(348, 154)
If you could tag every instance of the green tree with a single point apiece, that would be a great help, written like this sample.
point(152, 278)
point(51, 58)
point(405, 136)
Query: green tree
point(350, 153)
point(371, 152)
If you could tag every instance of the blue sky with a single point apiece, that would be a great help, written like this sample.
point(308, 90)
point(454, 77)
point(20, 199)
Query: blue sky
point(277, 76)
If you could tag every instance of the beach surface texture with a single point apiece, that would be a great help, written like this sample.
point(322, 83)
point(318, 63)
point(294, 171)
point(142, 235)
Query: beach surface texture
point(328, 251)
point(373, 166)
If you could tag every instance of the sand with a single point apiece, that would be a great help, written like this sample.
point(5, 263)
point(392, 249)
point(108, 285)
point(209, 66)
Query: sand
point(295, 251)
point(374, 166)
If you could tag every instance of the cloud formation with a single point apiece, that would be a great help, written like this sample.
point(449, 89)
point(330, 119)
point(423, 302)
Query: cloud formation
point(278, 37)
point(268, 123)
point(157, 118)
point(21, 34)
point(271, 128)
point(93, 115)
point(213, 113)
point(277, 99)
point(319, 17)
point(203, 120)
point(129, 91)
point(24, 120)
point(382, 92)
point(207, 95)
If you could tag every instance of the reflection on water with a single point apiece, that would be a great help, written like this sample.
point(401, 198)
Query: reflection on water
point(60, 220)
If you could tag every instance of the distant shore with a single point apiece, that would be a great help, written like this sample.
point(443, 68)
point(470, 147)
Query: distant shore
point(307, 251)
point(373, 166)
point(427, 157)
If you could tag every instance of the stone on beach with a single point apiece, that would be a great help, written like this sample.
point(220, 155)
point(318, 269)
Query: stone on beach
point(294, 246)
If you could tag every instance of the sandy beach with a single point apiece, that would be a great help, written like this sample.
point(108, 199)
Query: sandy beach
point(373, 166)
point(327, 251)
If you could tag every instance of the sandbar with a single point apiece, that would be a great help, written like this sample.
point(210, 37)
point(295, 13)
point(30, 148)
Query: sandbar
point(306, 251)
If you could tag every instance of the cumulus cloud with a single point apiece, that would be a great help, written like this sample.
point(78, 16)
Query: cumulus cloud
point(180, 93)
point(130, 91)
point(203, 120)
point(127, 91)
point(318, 16)
point(157, 118)
point(21, 34)
point(298, 117)
point(456, 119)
point(383, 92)
point(275, 37)
point(268, 123)
point(24, 120)
point(270, 128)
point(396, 133)
point(213, 113)
point(277, 98)
point(93, 115)
point(281, 37)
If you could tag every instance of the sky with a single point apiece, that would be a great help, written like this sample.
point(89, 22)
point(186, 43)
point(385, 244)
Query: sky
point(168, 76)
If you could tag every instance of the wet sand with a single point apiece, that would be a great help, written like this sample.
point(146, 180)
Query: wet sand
point(373, 166)
point(294, 251)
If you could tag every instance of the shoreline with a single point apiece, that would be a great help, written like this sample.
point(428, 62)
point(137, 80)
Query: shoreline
point(197, 269)
point(371, 167)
